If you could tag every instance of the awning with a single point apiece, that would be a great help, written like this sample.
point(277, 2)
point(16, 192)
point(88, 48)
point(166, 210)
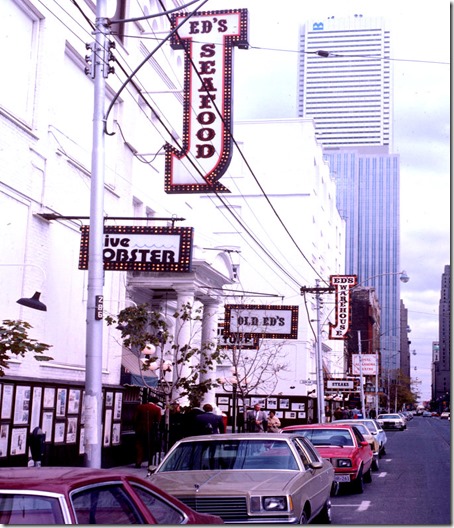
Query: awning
point(131, 372)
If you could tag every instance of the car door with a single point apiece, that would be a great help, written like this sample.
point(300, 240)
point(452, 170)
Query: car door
point(364, 452)
point(319, 486)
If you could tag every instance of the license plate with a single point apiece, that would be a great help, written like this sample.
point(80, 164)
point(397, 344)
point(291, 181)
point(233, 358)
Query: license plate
point(342, 478)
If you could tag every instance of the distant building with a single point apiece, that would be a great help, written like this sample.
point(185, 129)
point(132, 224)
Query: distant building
point(442, 367)
point(345, 85)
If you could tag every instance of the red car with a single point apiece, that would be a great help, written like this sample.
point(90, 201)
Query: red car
point(344, 446)
point(73, 495)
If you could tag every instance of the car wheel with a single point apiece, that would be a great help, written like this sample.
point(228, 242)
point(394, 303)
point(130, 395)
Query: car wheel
point(383, 451)
point(368, 476)
point(358, 483)
point(304, 519)
point(375, 464)
point(334, 489)
point(324, 517)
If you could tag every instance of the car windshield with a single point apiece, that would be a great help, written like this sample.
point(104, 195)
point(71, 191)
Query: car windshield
point(327, 437)
point(389, 416)
point(230, 454)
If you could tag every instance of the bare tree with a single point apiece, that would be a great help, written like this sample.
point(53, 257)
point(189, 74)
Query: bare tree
point(255, 371)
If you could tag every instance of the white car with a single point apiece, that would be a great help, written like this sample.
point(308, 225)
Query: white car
point(392, 421)
point(445, 415)
point(374, 428)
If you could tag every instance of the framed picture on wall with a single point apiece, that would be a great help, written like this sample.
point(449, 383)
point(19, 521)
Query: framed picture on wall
point(73, 401)
point(298, 406)
point(7, 401)
point(116, 431)
point(82, 441)
point(71, 431)
point(284, 403)
point(271, 403)
point(61, 402)
point(59, 432)
point(47, 424)
point(109, 399)
point(107, 427)
point(223, 400)
point(22, 405)
point(117, 409)
point(290, 415)
point(18, 441)
point(4, 432)
point(36, 407)
point(49, 398)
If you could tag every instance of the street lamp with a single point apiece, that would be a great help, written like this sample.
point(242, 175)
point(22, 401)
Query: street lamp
point(32, 302)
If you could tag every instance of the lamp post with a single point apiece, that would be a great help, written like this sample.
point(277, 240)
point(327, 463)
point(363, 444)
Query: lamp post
point(234, 384)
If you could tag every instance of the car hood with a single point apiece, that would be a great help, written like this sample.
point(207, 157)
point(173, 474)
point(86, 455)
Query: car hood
point(224, 482)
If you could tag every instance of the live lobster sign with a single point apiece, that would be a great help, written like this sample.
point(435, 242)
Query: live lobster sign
point(208, 38)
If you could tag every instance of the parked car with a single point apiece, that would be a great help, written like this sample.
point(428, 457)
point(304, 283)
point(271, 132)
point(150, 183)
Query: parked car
point(344, 446)
point(427, 414)
point(373, 430)
point(392, 421)
point(249, 477)
point(445, 415)
point(72, 495)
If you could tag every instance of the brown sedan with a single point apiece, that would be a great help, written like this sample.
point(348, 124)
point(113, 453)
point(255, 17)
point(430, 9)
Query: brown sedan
point(249, 477)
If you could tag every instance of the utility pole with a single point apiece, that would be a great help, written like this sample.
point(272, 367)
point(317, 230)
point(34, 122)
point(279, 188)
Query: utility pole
point(318, 350)
point(94, 335)
point(361, 380)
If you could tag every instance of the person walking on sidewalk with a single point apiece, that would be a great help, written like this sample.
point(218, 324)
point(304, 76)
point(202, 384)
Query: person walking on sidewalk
point(147, 419)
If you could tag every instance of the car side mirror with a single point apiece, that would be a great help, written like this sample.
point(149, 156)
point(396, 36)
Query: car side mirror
point(316, 464)
point(364, 443)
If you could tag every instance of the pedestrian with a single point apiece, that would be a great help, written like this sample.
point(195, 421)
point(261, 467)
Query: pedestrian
point(208, 422)
point(274, 423)
point(256, 420)
point(372, 414)
point(176, 425)
point(338, 413)
point(189, 417)
point(147, 420)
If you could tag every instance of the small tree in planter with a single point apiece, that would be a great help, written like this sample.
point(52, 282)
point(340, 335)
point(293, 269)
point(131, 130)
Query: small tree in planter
point(181, 366)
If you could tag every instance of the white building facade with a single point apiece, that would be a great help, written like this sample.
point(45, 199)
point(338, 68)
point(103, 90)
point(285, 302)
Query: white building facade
point(284, 234)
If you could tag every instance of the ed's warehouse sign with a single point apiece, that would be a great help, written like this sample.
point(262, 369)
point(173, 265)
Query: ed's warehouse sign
point(134, 248)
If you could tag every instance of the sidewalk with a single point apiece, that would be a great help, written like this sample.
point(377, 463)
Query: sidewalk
point(131, 469)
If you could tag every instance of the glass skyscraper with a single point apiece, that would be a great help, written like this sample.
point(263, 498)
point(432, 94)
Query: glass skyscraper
point(345, 85)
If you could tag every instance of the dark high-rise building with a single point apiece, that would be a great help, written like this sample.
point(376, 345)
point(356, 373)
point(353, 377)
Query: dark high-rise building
point(345, 85)
point(442, 364)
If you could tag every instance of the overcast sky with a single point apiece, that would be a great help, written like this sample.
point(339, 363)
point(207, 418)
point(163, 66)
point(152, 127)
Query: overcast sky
point(265, 87)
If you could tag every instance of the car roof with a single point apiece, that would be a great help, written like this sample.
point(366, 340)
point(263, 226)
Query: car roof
point(319, 426)
point(58, 479)
point(233, 436)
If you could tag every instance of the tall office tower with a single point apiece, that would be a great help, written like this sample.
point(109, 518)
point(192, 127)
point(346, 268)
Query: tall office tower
point(344, 81)
point(345, 85)
point(442, 367)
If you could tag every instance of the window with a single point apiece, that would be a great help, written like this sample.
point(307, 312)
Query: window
point(18, 46)
point(104, 504)
point(21, 508)
point(162, 511)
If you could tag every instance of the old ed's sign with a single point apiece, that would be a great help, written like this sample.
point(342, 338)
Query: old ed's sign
point(135, 248)
point(265, 321)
